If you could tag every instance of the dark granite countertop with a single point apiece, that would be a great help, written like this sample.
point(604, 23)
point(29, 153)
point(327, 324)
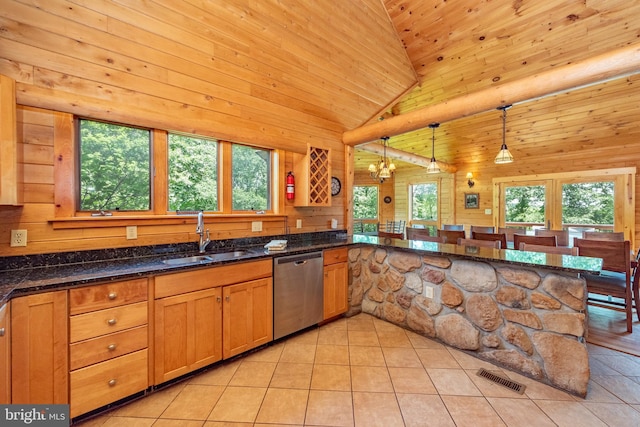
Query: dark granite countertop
point(33, 274)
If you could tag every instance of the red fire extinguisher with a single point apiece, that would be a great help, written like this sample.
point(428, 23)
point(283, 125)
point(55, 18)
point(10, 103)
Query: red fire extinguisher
point(291, 186)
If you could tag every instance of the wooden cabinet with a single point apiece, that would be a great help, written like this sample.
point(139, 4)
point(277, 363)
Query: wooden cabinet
point(192, 307)
point(336, 282)
point(313, 177)
point(39, 349)
point(188, 333)
point(5, 354)
point(108, 331)
point(11, 180)
point(247, 316)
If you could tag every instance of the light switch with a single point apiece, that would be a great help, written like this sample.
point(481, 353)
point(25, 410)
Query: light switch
point(256, 226)
point(298, 223)
point(132, 232)
point(487, 211)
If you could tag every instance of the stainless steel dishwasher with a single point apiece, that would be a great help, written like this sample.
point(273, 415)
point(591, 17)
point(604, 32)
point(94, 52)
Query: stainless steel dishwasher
point(297, 293)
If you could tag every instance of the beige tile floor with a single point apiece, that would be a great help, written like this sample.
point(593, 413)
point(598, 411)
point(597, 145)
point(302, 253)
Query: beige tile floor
point(363, 371)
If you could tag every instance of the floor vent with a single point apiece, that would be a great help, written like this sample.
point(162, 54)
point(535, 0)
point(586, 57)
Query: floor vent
point(505, 382)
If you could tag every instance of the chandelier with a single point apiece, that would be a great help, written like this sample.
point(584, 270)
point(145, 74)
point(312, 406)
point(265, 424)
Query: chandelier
point(385, 167)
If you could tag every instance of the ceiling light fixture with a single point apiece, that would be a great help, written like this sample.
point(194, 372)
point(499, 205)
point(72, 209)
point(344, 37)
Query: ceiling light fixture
point(385, 168)
point(433, 165)
point(504, 156)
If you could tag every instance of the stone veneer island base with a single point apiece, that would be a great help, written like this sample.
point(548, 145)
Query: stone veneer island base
point(527, 319)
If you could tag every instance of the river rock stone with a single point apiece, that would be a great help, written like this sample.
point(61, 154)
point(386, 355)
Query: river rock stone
point(565, 323)
point(431, 306)
point(370, 307)
point(516, 361)
point(419, 321)
point(512, 297)
point(404, 298)
point(517, 336)
point(366, 251)
point(354, 254)
point(545, 302)
point(569, 373)
point(356, 292)
point(394, 280)
point(379, 255)
point(393, 313)
point(355, 269)
point(455, 330)
point(413, 282)
point(568, 290)
point(432, 276)
point(474, 276)
point(368, 279)
point(404, 261)
point(375, 267)
point(451, 296)
point(526, 279)
point(525, 318)
point(376, 295)
point(484, 312)
point(491, 341)
point(435, 261)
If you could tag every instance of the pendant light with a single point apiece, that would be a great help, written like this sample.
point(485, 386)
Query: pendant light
point(504, 156)
point(385, 167)
point(433, 165)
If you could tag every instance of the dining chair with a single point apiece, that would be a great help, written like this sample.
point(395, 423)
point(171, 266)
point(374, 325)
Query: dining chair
point(480, 243)
point(386, 234)
point(616, 236)
point(561, 235)
point(451, 236)
point(501, 237)
point(615, 278)
point(395, 226)
point(534, 240)
point(358, 227)
point(482, 229)
point(417, 233)
point(456, 227)
point(437, 239)
point(510, 231)
point(564, 250)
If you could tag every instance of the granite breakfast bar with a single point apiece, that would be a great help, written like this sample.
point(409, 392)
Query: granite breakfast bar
point(522, 311)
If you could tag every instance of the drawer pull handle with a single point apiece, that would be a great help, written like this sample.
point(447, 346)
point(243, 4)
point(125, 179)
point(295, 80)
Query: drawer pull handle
point(111, 322)
point(112, 382)
point(111, 347)
point(113, 295)
point(2, 332)
point(219, 299)
point(227, 298)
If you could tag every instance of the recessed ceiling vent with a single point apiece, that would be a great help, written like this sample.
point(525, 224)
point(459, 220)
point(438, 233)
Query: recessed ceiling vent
point(504, 382)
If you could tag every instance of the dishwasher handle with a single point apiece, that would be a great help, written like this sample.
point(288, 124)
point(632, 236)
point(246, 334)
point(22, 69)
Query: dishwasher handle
point(300, 262)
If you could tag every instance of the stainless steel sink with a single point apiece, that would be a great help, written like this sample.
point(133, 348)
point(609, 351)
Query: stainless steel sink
point(188, 260)
point(199, 259)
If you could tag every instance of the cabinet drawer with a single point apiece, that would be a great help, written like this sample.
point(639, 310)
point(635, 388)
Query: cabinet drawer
point(95, 350)
point(102, 322)
point(99, 297)
point(332, 256)
point(106, 382)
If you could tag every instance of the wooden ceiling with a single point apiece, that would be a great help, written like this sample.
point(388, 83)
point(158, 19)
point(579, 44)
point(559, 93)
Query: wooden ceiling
point(461, 47)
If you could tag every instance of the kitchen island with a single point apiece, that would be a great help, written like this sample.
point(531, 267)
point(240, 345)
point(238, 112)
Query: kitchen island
point(523, 311)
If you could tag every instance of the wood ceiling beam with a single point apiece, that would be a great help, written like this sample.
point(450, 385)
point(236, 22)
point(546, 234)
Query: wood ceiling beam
point(615, 64)
point(405, 156)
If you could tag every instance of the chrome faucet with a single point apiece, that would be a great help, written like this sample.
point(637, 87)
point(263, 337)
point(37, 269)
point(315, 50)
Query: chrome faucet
point(201, 231)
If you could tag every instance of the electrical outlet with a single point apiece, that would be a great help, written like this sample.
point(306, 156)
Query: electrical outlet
point(132, 232)
point(428, 292)
point(18, 238)
point(256, 226)
point(298, 223)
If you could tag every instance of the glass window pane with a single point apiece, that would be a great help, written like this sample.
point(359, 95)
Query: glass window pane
point(193, 173)
point(251, 177)
point(525, 205)
point(365, 202)
point(424, 202)
point(588, 206)
point(114, 167)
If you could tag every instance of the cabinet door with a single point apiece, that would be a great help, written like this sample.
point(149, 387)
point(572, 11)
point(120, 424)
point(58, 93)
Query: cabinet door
point(336, 278)
point(247, 316)
point(5, 355)
point(188, 333)
point(39, 349)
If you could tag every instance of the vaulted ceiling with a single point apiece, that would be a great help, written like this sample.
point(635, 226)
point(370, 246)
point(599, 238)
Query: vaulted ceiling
point(461, 47)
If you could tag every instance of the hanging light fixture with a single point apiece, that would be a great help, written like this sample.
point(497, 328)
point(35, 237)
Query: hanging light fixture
point(433, 165)
point(385, 168)
point(504, 156)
